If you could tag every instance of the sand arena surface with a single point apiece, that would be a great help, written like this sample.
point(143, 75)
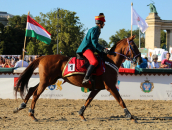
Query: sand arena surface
point(103, 115)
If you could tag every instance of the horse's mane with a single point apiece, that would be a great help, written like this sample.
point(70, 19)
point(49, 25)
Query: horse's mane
point(114, 46)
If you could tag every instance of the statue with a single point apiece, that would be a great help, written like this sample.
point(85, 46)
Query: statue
point(152, 8)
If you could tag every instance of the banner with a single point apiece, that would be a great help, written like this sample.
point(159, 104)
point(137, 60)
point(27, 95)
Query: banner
point(130, 87)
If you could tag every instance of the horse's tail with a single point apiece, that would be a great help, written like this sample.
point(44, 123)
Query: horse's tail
point(22, 82)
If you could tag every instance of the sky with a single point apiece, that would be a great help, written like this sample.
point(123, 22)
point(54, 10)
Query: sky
point(117, 12)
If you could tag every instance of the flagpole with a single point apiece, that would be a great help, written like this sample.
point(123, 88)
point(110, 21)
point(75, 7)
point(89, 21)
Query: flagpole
point(139, 37)
point(24, 45)
point(131, 17)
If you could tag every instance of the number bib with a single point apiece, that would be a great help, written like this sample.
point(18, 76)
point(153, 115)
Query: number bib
point(71, 67)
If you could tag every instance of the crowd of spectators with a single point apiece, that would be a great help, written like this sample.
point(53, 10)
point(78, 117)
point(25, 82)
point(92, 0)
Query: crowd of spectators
point(154, 64)
point(15, 61)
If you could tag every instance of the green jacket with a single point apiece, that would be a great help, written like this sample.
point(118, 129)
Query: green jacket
point(90, 41)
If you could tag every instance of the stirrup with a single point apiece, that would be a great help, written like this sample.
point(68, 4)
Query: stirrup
point(85, 81)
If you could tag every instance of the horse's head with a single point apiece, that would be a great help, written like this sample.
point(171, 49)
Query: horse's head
point(132, 51)
point(128, 49)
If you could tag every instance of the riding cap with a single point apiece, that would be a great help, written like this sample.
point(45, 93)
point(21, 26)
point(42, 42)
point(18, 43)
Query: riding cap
point(100, 19)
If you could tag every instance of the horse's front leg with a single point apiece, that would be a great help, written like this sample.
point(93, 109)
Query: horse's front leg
point(29, 94)
point(88, 101)
point(117, 96)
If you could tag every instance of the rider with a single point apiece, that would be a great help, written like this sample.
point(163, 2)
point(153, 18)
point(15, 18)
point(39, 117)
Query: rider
point(90, 45)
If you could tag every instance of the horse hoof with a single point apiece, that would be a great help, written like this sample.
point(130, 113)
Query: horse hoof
point(134, 121)
point(83, 120)
point(35, 120)
point(15, 110)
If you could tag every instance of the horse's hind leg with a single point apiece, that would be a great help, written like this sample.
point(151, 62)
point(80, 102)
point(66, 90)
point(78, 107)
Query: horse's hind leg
point(88, 101)
point(117, 96)
point(29, 94)
point(36, 94)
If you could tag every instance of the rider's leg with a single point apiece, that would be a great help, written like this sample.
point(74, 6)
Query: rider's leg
point(93, 63)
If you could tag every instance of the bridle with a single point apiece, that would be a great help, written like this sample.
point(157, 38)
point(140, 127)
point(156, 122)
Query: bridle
point(129, 49)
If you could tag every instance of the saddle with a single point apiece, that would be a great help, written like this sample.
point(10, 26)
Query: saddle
point(79, 65)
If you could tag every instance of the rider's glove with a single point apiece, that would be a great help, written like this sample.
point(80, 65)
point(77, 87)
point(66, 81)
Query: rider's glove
point(106, 51)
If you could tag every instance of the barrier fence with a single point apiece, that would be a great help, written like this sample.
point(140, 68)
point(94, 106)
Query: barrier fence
point(132, 86)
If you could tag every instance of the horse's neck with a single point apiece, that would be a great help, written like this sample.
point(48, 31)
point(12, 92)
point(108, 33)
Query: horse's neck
point(117, 60)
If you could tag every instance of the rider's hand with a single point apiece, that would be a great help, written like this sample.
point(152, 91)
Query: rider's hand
point(106, 51)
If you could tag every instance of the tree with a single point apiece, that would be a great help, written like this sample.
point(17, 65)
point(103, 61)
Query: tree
point(70, 31)
point(103, 43)
point(12, 36)
point(163, 38)
point(122, 33)
point(32, 48)
point(1, 27)
point(70, 34)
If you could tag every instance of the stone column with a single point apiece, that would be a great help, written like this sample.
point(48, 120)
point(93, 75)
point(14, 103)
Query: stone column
point(168, 39)
point(153, 32)
point(170, 42)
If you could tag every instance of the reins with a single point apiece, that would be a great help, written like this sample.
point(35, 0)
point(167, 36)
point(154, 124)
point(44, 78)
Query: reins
point(129, 50)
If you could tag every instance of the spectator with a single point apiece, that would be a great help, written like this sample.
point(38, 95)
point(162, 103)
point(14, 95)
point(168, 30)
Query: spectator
point(127, 63)
point(149, 64)
point(8, 63)
point(39, 55)
point(30, 59)
point(122, 66)
point(36, 57)
point(13, 62)
point(154, 62)
point(16, 59)
point(166, 63)
point(143, 64)
point(19, 63)
point(1, 62)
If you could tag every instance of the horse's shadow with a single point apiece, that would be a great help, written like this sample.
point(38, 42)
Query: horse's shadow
point(154, 119)
point(140, 120)
point(52, 119)
point(111, 118)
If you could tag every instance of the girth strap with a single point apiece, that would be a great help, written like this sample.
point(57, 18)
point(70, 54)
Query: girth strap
point(112, 66)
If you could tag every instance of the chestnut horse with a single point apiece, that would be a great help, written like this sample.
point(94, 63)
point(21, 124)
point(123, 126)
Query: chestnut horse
point(51, 67)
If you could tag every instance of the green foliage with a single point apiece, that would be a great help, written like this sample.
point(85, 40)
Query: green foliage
point(103, 43)
point(32, 48)
point(163, 39)
point(2, 47)
point(122, 33)
point(70, 34)
point(70, 31)
point(12, 36)
point(1, 27)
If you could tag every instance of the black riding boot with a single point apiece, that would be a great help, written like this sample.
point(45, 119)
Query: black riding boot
point(88, 74)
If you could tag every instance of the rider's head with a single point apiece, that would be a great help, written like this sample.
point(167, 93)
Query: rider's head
point(100, 20)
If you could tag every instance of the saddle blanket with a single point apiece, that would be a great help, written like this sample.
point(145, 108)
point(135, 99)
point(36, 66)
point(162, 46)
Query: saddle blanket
point(75, 66)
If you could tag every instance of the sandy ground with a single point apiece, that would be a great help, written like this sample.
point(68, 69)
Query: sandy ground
point(103, 115)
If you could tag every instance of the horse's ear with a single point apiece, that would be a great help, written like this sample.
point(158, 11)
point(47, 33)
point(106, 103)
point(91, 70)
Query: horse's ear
point(132, 37)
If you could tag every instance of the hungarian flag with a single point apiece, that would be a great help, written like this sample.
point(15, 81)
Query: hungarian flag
point(34, 29)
